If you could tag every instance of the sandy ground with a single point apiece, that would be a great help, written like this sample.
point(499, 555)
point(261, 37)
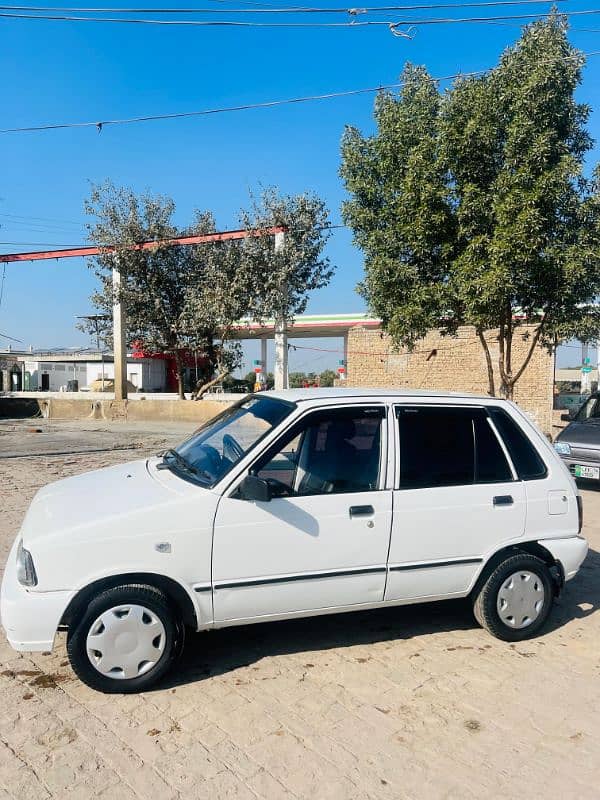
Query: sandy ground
point(401, 703)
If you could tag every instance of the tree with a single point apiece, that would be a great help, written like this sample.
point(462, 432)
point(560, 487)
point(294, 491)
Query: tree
point(192, 298)
point(472, 207)
point(327, 378)
point(287, 276)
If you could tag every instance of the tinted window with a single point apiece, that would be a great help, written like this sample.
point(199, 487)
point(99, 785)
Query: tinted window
point(329, 452)
point(448, 447)
point(491, 465)
point(524, 456)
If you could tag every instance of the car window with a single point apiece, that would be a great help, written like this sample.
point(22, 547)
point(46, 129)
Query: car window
point(448, 447)
point(328, 453)
point(527, 461)
point(590, 409)
point(221, 443)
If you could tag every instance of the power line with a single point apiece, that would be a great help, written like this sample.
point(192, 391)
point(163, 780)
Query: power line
point(16, 217)
point(273, 9)
point(392, 24)
point(268, 104)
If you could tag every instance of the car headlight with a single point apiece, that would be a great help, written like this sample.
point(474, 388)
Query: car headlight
point(562, 448)
point(25, 569)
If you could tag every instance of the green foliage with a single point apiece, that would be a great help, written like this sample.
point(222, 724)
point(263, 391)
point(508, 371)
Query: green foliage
point(327, 377)
point(472, 206)
point(193, 297)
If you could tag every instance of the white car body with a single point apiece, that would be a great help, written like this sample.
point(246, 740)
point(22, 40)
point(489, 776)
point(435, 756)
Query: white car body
point(233, 561)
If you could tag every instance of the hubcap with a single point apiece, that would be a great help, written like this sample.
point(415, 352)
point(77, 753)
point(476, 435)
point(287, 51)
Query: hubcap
point(126, 641)
point(520, 599)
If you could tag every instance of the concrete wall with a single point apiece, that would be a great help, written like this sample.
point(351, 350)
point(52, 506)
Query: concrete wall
point(453, 364)
point(115, 410)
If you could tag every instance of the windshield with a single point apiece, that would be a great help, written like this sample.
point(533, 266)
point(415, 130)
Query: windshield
point(214, 449)
point(589, 409)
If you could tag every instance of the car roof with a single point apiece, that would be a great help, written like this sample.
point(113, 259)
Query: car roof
point(339, 393)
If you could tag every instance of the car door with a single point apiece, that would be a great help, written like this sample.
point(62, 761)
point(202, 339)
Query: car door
point(457, 498)
point(323, 542)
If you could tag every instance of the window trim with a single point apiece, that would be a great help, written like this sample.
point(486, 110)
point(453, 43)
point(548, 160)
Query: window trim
point(231, 490)
point(464, 406)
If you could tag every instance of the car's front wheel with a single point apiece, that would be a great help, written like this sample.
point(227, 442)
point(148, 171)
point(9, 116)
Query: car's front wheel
point(126, 640)
point(516, 598)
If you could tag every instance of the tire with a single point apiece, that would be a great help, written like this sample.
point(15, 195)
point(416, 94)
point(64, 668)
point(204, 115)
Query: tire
point(126, 639)
point(497, 602)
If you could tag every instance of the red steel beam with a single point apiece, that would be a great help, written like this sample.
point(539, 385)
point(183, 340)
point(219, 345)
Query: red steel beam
point(74, 252)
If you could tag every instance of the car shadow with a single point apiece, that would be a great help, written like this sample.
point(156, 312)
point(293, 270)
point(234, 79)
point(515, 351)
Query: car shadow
point(218, 652)
point(580, 597)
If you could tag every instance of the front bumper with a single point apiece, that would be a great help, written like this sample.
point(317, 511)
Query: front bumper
point(29, 618)
point(569, 552)
point(571, 461)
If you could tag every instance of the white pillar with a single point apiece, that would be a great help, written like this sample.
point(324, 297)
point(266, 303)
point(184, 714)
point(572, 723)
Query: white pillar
point(281, 350)
point(119, 339)
point(263, 357)
point(585, 376)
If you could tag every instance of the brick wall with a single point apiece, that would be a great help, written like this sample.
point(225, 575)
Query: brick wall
point(452, 364)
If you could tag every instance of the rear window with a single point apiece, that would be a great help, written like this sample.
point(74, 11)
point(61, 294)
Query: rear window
point(448, 447)
point(525, 457)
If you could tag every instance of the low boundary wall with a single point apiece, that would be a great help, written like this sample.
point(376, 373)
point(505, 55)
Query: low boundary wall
point(113, 410)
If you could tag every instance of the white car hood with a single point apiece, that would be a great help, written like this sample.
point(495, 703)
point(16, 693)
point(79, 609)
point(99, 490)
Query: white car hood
point(95, 499)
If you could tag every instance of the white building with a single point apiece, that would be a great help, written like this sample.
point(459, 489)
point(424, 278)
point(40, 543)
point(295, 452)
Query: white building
point(54, 372)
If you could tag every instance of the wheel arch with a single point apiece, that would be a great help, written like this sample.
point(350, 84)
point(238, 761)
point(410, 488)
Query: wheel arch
point(175, 592)
point(525, 548)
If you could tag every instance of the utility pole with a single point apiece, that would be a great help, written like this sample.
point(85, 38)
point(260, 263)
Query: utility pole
point(281, 350)
point(119, 337)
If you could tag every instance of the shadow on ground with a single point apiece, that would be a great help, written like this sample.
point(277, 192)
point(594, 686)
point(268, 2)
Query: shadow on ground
point(218, 652)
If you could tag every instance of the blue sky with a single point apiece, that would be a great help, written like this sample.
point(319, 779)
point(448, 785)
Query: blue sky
point(56, 72)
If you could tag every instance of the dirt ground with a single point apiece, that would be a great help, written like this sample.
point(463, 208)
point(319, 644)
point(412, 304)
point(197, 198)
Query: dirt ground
point(416, 702)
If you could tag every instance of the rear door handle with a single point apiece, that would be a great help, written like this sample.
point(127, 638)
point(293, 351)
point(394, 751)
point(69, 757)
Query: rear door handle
point(503, 500)
point(361, 511)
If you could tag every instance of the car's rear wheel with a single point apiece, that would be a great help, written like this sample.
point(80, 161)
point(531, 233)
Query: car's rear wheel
point(126, 640)
point(516, 598)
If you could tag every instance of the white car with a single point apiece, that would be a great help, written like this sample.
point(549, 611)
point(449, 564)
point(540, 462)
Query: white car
point(293, 504)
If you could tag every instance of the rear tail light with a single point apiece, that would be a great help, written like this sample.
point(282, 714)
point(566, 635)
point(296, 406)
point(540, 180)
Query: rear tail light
point(580, 511)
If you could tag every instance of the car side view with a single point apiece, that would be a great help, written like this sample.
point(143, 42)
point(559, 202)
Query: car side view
point(292, 504)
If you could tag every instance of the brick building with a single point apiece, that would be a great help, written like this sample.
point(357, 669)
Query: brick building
point(452, 364)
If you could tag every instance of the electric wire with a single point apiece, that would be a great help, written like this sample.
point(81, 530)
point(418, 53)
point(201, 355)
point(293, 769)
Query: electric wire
point(275, 9)
point(393, 25)
point(99, 125)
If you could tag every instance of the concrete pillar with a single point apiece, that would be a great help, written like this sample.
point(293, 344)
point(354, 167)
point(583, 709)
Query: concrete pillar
point(119, 339)
point(263, 357)
point(585, 376)
point(281, 350)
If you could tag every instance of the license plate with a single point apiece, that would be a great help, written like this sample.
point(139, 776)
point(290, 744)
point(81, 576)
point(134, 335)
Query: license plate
point(587, 472)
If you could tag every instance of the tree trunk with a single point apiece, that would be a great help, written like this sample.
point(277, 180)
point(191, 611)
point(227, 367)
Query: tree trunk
point(201, 390)
point(488, 361)
point(179, 364)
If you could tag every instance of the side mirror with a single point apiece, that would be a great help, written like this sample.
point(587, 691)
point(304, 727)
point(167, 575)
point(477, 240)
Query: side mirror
point(566, 417)
point(254, 488)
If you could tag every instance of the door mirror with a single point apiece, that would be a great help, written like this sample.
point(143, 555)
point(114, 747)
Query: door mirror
point(566, 417)
point(255, 488)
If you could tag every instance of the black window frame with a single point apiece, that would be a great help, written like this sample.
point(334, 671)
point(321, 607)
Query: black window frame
point(301, 423)
point(484, 412)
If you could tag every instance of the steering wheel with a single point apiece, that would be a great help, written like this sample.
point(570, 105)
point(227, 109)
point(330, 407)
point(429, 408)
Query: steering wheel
point(232, 449)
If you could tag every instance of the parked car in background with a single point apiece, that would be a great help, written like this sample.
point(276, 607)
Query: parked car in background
point(579, 443)
point(292, 504)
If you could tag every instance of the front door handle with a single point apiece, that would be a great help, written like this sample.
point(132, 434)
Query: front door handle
point(503, 500)
point(361, 511)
